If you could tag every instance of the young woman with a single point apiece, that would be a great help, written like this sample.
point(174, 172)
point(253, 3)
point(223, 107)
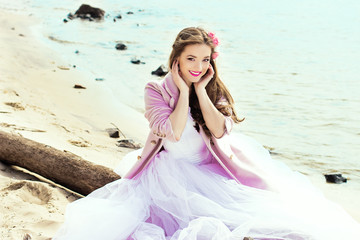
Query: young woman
point(193, 180)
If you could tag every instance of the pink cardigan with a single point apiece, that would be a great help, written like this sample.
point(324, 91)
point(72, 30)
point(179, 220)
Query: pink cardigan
point(160, 100)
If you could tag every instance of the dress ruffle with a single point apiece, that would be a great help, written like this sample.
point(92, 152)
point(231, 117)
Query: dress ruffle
point(178, 198)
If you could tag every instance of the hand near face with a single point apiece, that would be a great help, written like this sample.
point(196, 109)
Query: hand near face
point(179, 81)
point(203, 82)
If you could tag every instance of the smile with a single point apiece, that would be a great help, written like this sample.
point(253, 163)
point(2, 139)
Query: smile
point(194, 73)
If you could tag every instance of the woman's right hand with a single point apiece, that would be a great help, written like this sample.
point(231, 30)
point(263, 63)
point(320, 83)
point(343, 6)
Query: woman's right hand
point(179, 81)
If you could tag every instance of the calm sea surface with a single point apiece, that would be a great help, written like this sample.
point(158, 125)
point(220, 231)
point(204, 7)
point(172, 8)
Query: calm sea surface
point(291, 66)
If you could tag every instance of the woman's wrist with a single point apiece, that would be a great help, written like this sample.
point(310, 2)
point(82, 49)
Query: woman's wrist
point(200, 91)
point(184, 92)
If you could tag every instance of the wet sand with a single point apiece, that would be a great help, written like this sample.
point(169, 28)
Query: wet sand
point(38, 101)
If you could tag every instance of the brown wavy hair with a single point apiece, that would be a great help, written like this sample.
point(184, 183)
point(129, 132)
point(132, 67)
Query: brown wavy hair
point(216, 89)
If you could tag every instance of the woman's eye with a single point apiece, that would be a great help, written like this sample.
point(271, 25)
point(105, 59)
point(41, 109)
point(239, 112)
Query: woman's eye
point(206, 60)
point(191, 59)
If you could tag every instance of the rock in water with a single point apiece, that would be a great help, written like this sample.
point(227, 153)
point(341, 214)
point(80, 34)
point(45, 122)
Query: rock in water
point(161, 71)
point(335, 178)
point(135, 60)
point(88, 12)
point(121, 46)
point(70, 16)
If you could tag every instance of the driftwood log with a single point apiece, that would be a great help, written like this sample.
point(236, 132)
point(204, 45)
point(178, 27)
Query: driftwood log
point(63, 168)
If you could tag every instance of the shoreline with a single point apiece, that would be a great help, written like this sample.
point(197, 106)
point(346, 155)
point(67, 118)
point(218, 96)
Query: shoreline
point(39, 82)
point(38, 101)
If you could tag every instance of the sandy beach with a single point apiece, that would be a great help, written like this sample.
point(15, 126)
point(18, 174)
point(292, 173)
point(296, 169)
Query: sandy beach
point(38, 101)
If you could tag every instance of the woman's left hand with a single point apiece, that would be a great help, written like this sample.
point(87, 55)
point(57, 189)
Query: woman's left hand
point(203, 82)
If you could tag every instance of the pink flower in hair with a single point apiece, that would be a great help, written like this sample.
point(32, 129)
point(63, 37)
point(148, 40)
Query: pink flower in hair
point(215, 55)
point(215, 41)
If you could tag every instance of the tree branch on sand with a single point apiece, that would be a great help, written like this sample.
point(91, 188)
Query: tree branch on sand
point(61, 167)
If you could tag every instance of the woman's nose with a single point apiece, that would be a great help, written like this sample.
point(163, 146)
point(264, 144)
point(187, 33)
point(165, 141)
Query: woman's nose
point(199, 66)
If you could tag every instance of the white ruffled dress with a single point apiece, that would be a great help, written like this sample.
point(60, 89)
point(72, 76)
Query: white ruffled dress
point(179, 196)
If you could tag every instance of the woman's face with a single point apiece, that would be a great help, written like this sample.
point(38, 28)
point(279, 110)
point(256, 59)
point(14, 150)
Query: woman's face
point(194, 62)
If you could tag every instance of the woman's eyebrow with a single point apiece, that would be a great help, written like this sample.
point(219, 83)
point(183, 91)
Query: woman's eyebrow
point(196, 57)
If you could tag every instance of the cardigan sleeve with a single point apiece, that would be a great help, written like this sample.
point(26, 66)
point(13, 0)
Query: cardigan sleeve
point(157, 112)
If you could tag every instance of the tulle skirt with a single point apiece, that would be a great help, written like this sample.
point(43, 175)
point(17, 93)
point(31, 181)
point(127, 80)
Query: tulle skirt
point(177, 199)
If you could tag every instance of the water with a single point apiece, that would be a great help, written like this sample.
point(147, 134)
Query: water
point(291, 66)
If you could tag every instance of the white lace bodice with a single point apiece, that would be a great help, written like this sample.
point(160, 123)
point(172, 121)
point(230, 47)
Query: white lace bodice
point(191, 147)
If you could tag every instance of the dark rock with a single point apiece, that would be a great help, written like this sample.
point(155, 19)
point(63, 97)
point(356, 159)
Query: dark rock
point(335, 178)
point(79, 86)
point(248, 238)
point(161, 71)
point(130, 12)
point(113, 132)
point(128, 143)
point(74, 66)
point(65, 20)
point(117, 17)
point(99, 79)
point(134, 60)
point(77, 51)
point(121, 46)
point(70, 16)
point(88, 12)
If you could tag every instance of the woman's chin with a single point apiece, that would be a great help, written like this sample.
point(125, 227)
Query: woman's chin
point(192, 80)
